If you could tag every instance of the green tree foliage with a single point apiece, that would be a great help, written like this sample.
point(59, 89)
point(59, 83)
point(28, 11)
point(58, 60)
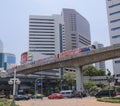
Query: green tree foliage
point(92, 71)
point(91, 87)
point(69, 78)
point(117, 88)
point(89, 84)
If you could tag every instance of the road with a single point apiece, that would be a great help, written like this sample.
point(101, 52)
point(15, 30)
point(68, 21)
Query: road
point(89, 101)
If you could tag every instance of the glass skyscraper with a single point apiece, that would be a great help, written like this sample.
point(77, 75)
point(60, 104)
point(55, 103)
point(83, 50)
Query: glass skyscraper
point(7, 60)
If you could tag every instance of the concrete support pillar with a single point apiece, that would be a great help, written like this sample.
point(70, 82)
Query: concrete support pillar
point(79, 79)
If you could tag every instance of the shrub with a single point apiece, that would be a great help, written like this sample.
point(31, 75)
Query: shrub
point(111, 100)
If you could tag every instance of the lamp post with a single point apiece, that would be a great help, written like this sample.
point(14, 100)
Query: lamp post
point(13, 81)
point(3, 73)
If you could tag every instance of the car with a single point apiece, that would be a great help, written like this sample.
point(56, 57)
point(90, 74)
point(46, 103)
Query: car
point(37, 96)
point(67, 93)
point(105, 93)
point(118, 93)
point(21, 97)
point(55, 96)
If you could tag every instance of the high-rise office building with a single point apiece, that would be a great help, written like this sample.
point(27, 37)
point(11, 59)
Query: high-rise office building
point(7, 60)
point(99, 65)
point(53, 34)
point(113, 12)
point(1, 46)
point(49, 35)
point(44, 39)
point(44, 34)
point(76, 30)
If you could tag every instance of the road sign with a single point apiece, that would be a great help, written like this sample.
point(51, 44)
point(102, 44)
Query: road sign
point(38, 84)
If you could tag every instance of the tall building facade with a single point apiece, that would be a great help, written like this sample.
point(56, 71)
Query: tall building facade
point(44, 39)
point(99, 65)
point(44, 34)
point(76, 30)
point(1, 46)
point(7, 60)
point(113, 12)
point(49, 35)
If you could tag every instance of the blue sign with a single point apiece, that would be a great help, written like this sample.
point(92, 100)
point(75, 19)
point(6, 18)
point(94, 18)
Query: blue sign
point(40, 75)
point(38, 84)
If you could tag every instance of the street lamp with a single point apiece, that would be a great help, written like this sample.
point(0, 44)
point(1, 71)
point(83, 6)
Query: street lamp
point(3, 73)
point(13, 81)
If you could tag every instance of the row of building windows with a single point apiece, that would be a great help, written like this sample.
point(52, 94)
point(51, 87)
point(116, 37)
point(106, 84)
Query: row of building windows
point(42, 47)
point(39, 38)
point(41, 44)
point(73, 22)
point(116, 28)
point(74, 46)
point(83, 42)
point(40, 26)
point(118, 75)
point(114, 5)
point(84, 39)
point(117, 12)
point(42, 50)
point(39, 29)
point(42, 19)
point(40, 41)
point(42, 22)
point(116, 20)
point(116, 36)
point(48, 53)
point(39, 32)
point(37, 35)
point(117, 61)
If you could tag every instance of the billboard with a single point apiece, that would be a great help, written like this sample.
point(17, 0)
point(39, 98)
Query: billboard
point(24, 57)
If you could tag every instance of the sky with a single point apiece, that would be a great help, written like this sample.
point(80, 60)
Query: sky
point(14, 20)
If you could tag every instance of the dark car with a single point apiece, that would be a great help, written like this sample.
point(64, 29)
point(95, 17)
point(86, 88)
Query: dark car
point(21, 97)
point(105, 93)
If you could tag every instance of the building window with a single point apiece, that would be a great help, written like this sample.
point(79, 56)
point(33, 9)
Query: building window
point(116, 20)
point(116, 36)
point(117, 12)
point(116, 28)
point(117, 61)
point(114, 5)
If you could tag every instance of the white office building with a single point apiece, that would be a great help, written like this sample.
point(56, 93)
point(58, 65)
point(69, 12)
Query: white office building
point(113, 11)
point(99, 65)
point(49, 35)
point(44, 36)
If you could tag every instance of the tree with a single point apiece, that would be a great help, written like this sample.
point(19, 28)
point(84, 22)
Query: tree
point(92, 71)
point(69, 78)
point(91, 87)
point(110, 78)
